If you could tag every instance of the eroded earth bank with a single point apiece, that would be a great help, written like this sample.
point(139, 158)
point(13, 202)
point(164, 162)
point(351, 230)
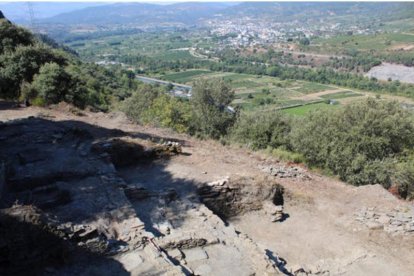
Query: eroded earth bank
point(92, 194)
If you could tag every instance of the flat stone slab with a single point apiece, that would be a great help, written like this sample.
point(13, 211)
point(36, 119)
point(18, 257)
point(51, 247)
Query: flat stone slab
point(203, 270)
point(130, 260)
point(195, 254)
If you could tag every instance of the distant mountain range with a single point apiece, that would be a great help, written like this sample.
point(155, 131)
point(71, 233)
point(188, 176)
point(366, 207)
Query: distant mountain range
point(19, 11)
point(136, 13)
point(191, 13)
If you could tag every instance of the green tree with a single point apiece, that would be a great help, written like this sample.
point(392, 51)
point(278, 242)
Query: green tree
point(210, 101)
point(22, 64)
point(404, 178)
point(262, 130)
point(136, 106)
point(357, 141)
point(12, 36)
point(170, 112)
point(51, 84)
point(304, 41)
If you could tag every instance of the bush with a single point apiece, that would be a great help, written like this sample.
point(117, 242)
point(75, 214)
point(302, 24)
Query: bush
point(287, 155)
point(23, 56)
point(210, 113)
point(21, 65)
point(170, 112)
point(12, 35)
point(262, 130)
point(404, 179)
point(137, 105)
point(149, 105)
point(51, 84)
point(356, 142)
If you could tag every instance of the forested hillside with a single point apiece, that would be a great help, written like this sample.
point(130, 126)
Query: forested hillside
point(37, 70)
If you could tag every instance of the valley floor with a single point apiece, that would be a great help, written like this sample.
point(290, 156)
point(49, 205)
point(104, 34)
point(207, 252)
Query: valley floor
point(330, 228)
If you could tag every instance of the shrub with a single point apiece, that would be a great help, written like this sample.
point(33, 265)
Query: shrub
point(287, 155)
point(404, 179)
point(54, 84)
point(356, 142)
point(51, 84)
point(262, 130)
point(136, 105)
point(149, 105)
point(210, 113)
point(170, 112)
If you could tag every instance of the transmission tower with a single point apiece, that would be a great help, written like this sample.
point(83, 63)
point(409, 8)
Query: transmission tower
point(31, 16)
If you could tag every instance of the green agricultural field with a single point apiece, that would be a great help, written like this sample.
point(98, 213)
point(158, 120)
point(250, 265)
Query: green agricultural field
point(341, 95)
point(379, 43)
point(403, 25)
point(164, 46)
point(259, 93)
point(255, 92)
point(174, 55)
point(311, 87)
point(304, 109)
point(185, 76)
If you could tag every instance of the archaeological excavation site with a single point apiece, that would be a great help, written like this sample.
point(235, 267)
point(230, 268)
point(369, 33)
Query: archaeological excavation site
point(97, 195)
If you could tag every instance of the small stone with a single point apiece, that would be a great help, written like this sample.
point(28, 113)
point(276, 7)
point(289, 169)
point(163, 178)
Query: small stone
point(369, 214)
point(278, 208)
point(384, 219)
point(374, 225)
point(176, 254)
point(396, 222)
point(360, 219)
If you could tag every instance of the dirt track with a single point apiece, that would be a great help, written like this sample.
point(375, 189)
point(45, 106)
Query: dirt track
point(320, 232)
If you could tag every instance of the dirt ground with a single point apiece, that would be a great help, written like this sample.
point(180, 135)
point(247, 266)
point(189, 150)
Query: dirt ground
point(320, 233)
point(387, 71)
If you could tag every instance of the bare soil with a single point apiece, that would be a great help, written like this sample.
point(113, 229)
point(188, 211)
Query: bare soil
point(394, 72)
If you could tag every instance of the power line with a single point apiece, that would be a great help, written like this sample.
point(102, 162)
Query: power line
point(31, 16)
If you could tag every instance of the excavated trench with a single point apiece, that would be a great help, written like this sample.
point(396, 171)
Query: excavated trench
point(80, 204)
point(235, 196)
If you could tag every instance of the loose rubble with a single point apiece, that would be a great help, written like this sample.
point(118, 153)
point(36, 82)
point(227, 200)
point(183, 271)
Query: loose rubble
point(396, 222)
point(172, 147)
point(282, 171)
